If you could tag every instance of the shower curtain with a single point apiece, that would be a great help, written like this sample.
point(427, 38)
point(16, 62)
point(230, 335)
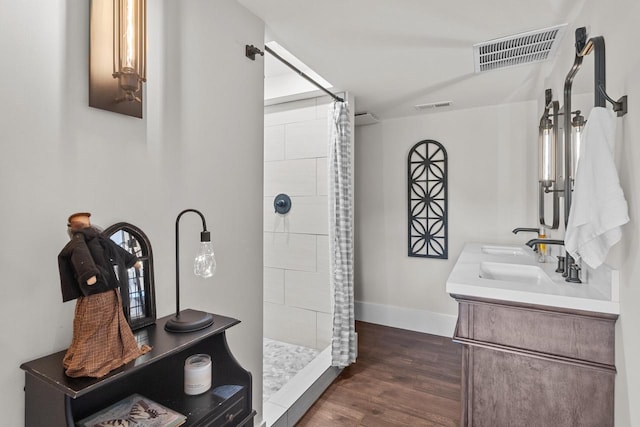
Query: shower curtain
point(343, 342)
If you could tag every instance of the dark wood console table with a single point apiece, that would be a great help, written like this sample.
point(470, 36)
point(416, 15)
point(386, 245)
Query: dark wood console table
point(54, 399)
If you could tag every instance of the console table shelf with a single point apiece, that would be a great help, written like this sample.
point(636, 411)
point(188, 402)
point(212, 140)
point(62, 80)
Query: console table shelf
point(52, 398)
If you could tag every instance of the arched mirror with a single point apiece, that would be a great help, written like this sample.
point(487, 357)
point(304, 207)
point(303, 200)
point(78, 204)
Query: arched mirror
point(137, 286)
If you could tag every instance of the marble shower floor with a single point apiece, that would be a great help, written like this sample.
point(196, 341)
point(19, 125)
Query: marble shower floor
point(281, 362)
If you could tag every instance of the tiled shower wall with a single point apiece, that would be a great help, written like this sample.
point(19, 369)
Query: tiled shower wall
point(297, 303)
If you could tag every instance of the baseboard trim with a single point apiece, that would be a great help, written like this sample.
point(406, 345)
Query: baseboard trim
point(406, 318)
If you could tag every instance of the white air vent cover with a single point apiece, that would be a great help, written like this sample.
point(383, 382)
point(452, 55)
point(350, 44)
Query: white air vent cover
point(524, 48)
point(365, 119)
point(431, 105)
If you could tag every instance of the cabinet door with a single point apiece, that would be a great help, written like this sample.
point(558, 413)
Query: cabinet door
point(229, 415)
point(509, 389)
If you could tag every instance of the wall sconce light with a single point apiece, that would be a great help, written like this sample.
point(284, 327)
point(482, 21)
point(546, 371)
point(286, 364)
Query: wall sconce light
point(577, 125)
point(117, 64)
point(547, 165)
point(205, 267)
point(546, 153)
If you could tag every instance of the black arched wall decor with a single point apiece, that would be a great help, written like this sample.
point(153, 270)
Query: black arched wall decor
point(427, 178)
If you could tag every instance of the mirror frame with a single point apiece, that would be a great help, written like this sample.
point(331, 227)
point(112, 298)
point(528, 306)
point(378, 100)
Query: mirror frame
point(148, 278)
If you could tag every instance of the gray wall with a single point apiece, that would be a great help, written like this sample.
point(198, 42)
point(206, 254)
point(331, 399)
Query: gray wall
point(491, 185)
point(615, 22)
point(199, 146)
point(496, 192)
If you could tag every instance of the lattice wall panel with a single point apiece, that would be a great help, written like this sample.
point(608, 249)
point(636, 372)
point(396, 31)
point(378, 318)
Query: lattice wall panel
point(427, 200)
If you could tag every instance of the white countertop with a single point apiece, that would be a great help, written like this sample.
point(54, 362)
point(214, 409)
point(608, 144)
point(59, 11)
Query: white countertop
point(598, 292)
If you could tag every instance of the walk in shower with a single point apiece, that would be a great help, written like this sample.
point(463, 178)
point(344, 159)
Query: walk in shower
point(297, 297)
point(307, 215)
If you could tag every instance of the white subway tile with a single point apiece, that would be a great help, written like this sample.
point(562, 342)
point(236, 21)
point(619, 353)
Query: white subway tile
point(290, 324)
point(305, 140)
point(293, 177)
point(324, 330)
point(323, 253)
point(308, 290)
point(322, 177)
point(290, 112)
point(273, 282)
point(308, 215)
point(290, 251)
point(273, 143)
point(322, 107)
point(273, 221)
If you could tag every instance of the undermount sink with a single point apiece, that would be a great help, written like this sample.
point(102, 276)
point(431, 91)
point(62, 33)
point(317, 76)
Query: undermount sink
point(529, 274)
point(503, 250)
point(511, 272)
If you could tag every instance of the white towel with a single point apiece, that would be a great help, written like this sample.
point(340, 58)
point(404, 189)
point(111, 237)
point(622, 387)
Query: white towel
point(598, 207)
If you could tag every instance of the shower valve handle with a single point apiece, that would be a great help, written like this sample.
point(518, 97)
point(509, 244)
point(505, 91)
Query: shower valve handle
point(282, 203)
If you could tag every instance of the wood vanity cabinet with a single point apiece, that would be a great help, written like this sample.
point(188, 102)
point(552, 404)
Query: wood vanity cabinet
point(54, 399)
point(529, 365)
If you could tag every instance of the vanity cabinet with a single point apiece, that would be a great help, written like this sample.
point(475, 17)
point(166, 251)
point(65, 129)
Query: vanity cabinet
point(531, 365)
point(54, 399)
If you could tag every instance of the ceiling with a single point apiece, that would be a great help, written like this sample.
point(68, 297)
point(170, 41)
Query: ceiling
point(394, 54)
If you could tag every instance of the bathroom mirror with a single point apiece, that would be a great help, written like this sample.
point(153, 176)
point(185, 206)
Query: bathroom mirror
point(137, 286)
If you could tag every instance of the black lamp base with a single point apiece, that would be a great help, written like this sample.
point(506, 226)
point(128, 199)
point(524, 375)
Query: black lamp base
point(189, 321)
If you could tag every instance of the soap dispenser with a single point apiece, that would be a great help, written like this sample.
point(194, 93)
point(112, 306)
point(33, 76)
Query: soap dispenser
point(542, 248)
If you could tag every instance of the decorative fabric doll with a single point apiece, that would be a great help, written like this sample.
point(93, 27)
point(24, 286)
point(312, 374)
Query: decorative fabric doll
point(102, 339)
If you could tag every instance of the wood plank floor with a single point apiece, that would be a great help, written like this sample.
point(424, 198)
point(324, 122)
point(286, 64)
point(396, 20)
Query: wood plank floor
point(401, 378)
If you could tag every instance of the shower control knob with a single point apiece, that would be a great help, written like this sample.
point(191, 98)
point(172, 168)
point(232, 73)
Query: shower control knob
point(282, 203)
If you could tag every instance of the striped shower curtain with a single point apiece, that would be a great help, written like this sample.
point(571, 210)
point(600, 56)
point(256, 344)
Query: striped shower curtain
point(343, 342)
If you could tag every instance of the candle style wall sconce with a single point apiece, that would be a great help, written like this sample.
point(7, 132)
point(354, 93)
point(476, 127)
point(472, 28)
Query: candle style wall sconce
point(547, 161)
point(117, 59)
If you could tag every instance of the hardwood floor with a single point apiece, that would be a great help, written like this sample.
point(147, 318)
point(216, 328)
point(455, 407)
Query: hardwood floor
point(401, 378)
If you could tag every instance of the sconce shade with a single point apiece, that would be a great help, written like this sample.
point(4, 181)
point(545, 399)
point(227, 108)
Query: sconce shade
point(117, 65)
point(546, 154)
point(577, 125)
point(129, 44)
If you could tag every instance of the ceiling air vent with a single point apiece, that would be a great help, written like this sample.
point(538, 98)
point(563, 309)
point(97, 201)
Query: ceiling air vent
point(524, 48)
point(365, 119)
point(432, 105)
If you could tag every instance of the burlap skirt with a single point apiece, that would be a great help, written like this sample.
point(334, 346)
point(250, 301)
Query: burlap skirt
point(102, 339)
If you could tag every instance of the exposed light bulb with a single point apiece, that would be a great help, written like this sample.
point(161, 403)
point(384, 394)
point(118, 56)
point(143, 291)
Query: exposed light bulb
point(129, 47)
point(205, 262)
point(577, 125)
point(546, 154)
point(129, 36)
